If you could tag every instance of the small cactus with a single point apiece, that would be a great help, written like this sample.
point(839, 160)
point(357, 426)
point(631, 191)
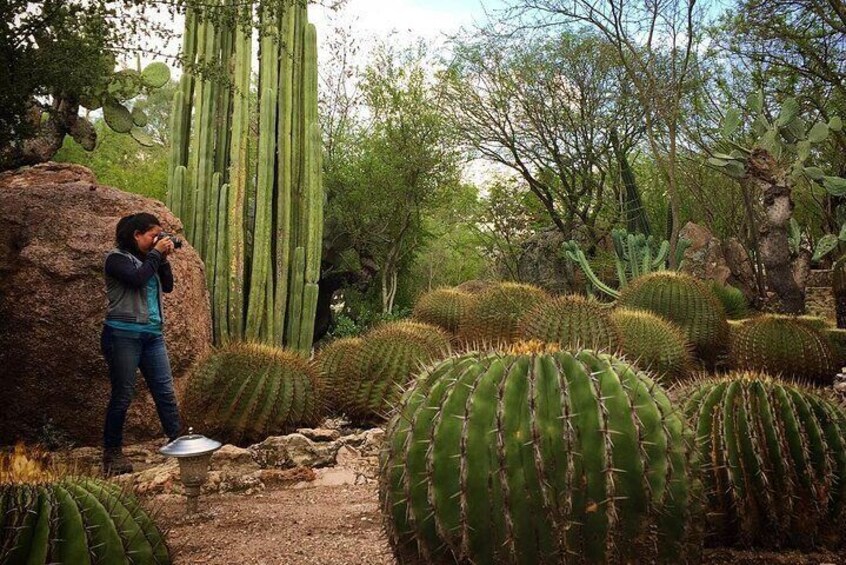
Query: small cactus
point(773, 460)
point(535, 456)
point(245, 392)
point(49, 517)
point(571, 321)
point(493, 317)
point(443, 307)
point(654, 344)
point(783, 345)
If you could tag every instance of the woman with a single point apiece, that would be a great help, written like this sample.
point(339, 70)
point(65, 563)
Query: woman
point(137, 272)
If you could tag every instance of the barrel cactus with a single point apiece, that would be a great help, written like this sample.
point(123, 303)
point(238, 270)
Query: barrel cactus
point(494, 315)
point(244, 392)
point(782, 345)
point(773, 461)
point(571, 321)
point(388, 358)
point(653, 343)
point(474, 286)
point(687, 303)
point(443, 307)
point(336, 365)
point(733, 300)
point(538, 455)
point(46, 517)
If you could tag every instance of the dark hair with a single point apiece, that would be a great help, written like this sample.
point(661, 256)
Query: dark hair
point(128, 225)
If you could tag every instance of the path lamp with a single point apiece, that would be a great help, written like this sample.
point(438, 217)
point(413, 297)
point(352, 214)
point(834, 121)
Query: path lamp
point(194, 453)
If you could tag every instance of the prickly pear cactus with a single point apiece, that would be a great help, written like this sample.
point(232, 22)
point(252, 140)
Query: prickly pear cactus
point(443, 307)
point(336, 365)
point(494, 315)
point(537, 455)
point(773, 460)
point(571, 321)
point(785, 346)
point(387, 360)
point(245, 392)
point(46, 517)
point(687, 303)
point(654, 344)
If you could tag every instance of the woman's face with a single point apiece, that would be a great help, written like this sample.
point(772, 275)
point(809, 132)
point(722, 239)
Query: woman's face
point(146, 240)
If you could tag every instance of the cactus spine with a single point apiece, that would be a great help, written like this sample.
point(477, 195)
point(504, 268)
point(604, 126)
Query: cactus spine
point(257, 223)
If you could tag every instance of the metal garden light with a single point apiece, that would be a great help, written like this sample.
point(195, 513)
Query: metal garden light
point(194, 453)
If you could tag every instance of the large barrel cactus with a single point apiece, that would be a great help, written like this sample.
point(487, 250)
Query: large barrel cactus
point(773, 461)
point(49, 518)
point(336, 365)
point(387, 359)
point(245, 392)
point(781, 345)
point(494, 315)
point(443, 307)
point(687, 303)
point(474, 286)
point(571, 321)
point(538, 456)
point(653, 344)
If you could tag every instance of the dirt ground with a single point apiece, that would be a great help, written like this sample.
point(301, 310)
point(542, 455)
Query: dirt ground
point(329, 526)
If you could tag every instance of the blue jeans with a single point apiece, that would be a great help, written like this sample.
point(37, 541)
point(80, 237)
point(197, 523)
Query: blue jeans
point(125, 352)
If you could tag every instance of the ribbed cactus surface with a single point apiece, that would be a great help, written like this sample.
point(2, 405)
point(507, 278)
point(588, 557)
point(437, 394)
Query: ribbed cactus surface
point(494, 314)
point(687, 303)
point(732, 299)
point(245, 392)
point(773, 461)
point(336, 365)
point(532, 456)
point(387, 360)
point(474, 286)
point(571, 321)
point(653, 344)
point(46, 518)
point(443, 307)
point(781, 345)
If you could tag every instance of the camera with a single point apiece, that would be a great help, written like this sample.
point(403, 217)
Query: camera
point(177, 243)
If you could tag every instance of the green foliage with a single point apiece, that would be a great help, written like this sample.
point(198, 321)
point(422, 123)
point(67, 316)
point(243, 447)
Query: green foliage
point(773, 461)
point(443, 307)
point(485, 462)
point(785, 346)
point(686, 302)
point(336, 363)
point(733, 300)
point(571, 322)
point(246, 392)
point(653, 344)
point(386, 361)
point(493, 316)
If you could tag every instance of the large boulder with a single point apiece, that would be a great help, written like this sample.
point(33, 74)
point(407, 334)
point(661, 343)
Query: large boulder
point(56, 223)
point(710, 259)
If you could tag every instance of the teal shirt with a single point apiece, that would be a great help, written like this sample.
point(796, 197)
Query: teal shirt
point(154, 326)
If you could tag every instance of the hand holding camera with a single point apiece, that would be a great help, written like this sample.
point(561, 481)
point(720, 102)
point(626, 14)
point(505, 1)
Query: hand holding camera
point(165, 243)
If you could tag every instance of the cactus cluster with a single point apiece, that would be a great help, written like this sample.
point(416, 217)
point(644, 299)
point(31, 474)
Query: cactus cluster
point(49, 518)
point(687, 303)
point(255, 217)
point(773, 461)
point(532, 455)
point(785, 346)
point(244, 392)
point(653, 344)
point(443, 307)
point(571, 321)
point(493, 316)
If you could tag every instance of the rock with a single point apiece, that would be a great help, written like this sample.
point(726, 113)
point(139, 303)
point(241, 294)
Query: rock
point(319, 434)
point(232, 456)
point(56, 223)
point(284, 477)
point(709, 259)
point(541, 261)
point(368, 443)
point(334, 477)
point(293, 450)
point(347, 455)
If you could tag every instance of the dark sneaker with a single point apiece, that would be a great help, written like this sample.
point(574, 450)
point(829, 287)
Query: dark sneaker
point(115, 463)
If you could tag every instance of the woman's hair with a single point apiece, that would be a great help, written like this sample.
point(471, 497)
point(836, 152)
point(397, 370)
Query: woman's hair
point(128, 225)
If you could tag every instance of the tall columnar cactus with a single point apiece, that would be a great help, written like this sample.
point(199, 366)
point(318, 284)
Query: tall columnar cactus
point(654, 344)
point(785, 346)
point(443, 307)
point(336, 365)
point(46, 517)
point(571, 321)
point(256, 221)
point(687, 303)
point(537, 457)
point(493, 316)
point(773, 461)
point(247, 392)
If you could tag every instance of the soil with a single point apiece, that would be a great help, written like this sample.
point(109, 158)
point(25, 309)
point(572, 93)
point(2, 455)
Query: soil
point(338, 525)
